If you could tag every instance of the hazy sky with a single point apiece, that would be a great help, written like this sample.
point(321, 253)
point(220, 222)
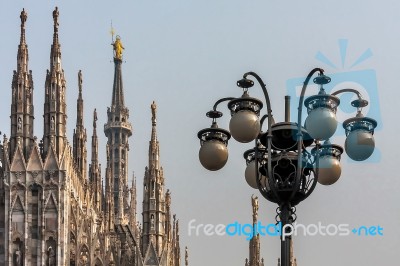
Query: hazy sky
point(185, 55)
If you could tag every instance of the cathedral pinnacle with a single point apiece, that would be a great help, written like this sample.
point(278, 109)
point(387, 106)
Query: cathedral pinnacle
point(23, 17)
point(55, 19)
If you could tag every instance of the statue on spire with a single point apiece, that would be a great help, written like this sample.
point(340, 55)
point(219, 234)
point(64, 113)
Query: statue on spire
point(55, 18)
point(80, 80)
point(254, 203)
point(153, 111)
point(95, 118)
point(23, 17)
point(118, 47)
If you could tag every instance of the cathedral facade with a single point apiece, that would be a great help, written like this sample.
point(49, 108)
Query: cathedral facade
point(55, 208)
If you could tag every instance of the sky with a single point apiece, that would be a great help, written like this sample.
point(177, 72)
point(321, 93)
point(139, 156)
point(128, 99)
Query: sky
point(185, 55)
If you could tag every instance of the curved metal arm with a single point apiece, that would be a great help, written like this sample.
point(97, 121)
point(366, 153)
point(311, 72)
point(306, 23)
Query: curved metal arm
point(269, 134)
point(299, 134)
point(222, 100)
point(348, 90)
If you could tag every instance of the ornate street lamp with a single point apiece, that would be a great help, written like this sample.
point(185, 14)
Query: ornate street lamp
point(288, 160)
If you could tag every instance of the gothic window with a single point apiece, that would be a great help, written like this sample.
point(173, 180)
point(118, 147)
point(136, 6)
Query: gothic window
point(117, 119)
point(116, 138)
point(116, 154)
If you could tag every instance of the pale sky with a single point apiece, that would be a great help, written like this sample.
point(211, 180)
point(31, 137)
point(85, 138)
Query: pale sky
point(185, 55)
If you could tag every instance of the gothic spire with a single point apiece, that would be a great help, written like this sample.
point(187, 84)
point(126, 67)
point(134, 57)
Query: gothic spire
point(22, 116)
point(118, 88)
point(79, 141)
point(133, 202)
point(55, 108)
point(55, 57)
point(118, 130)
point(186, 257)
point(155, 218)
point(95, 141)
point(154, 151)
point(79, 105)
point(95, 167)
point(254, 243)
point(22, 48)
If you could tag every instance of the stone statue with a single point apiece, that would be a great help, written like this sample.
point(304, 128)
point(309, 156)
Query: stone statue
point(153, 109)
point(17, 257)
point(23, 17)
point(80, 78)
point(94, 118)
point(254, 203)
point(19, 127)
point(55, 17)
point(52, 256)
point(52, 123)
point(118, 47)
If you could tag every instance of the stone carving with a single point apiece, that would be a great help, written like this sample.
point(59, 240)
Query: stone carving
point(52, 256)
point(17, 257)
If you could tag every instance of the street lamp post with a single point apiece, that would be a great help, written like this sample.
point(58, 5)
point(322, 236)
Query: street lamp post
point(288, 160)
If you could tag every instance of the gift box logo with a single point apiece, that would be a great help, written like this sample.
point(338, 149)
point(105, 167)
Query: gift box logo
point(364, 81)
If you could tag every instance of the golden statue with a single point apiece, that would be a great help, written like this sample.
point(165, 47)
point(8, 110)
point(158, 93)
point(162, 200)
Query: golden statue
point(118, 47)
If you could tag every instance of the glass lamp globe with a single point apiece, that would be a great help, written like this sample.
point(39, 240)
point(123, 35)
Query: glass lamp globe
point(251, 176)
point(213, 155)
point(359, 145)
point(329, 170)
point(244, 126)
point(321, 123)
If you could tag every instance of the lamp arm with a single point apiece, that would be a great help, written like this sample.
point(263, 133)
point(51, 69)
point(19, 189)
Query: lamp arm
point(299, 133)
point(222, 100)
point(348, 90)
point(269, 135)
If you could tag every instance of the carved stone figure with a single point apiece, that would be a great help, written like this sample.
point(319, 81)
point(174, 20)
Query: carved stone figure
point(52, 123)
point(17, 257)
point(19, 126)
point(52, 256)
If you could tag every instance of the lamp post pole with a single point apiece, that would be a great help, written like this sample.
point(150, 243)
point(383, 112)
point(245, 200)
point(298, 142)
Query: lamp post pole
point(288, 160)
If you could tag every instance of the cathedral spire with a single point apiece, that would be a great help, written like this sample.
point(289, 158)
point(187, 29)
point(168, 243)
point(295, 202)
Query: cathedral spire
point(154, 151)
point(118, 130)
point(254, 243)
point(55, 108)
point(133, 204)
point(79, 141)
point(95, 167)
point(154, 215)
point(186, 256)
point(118, 88)
point(22, 115)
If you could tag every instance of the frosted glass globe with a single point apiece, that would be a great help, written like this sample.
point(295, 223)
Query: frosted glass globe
point(329, 170)
point(213, 155)
point(359, 145)
point(321, 123)
point(244, 126)
point(250, 175)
